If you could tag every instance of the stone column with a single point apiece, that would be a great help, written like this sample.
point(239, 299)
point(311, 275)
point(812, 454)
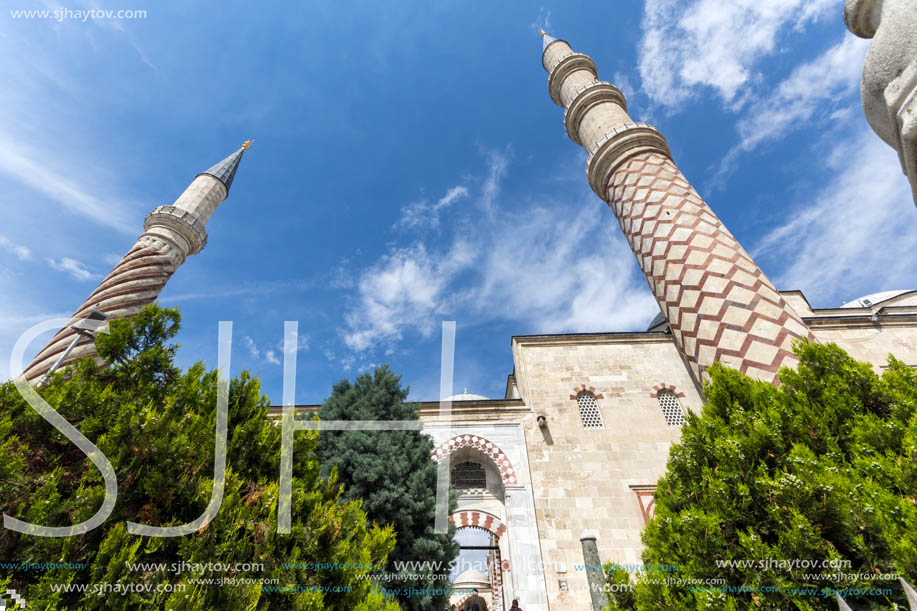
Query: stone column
point(172, 234)
point(719, 304)
point(596, 578)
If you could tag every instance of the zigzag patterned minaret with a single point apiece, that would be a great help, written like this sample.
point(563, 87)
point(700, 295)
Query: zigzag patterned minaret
point(172, 234)
point(719, 304)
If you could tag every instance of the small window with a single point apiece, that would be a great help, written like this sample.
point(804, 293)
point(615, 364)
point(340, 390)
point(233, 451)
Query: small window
point(671, 408)
point(589, 411)
point(467, 475)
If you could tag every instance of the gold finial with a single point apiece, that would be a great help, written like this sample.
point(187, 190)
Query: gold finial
point(247, 144)
point(543, 33)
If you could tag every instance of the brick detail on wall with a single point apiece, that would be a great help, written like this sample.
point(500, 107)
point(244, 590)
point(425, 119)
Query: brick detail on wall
point(582, 388)
point(668, 387)
point(489, 448)
point(718, 302)
point(478, 519)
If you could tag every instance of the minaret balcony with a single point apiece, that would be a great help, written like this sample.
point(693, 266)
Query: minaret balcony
point(186, 224)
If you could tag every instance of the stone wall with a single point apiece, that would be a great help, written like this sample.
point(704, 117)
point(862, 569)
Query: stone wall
point(584, 478)
point(565, 478)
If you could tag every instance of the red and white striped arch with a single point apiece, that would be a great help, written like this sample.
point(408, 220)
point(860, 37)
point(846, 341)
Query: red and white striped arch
point(489, 448)
point(492, 524)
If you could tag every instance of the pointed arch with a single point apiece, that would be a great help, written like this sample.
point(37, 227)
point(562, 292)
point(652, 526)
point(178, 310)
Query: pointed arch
point(492, 524)
point(489, 448)
point(479, 519)
point(666, 387)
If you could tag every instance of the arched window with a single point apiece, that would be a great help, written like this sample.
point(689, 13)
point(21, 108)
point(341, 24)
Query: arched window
point(589, 411)
point(671, 408)
point(467, 475)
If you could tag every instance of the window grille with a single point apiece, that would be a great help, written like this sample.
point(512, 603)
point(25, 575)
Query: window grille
point(589, 411)
point(469, 475)
point(671, 408)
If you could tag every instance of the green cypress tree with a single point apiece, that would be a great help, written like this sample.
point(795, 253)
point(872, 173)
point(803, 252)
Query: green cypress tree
point(393, 472)
point(823, 467)
point(156, 424)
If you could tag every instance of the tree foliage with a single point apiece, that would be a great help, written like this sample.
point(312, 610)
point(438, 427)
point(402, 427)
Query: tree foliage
point(395, 475)
point(156, 424)
point(823, 467)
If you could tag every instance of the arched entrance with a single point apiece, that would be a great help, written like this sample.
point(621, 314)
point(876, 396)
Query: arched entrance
point(472, 602)
point(496, 565)
point(479, 472)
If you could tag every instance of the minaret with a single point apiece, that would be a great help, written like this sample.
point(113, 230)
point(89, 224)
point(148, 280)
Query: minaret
point(172, 234)
point(718, 302)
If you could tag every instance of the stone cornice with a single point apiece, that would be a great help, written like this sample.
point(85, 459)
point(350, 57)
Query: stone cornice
point(484, 408)
point(593, 338)
point(854, 321)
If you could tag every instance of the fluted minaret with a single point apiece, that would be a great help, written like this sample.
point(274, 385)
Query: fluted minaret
point(719, 304)
point(172, 234)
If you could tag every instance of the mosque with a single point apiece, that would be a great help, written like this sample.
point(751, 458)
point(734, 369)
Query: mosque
point(560, 472)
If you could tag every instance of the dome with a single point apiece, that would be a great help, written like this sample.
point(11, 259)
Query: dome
point(659, 323)
point(466, 396)
point(867, 301)
point(472, 579)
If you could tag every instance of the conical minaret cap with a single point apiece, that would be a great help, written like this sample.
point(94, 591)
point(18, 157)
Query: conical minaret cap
point(225, 170)
point(546, 39)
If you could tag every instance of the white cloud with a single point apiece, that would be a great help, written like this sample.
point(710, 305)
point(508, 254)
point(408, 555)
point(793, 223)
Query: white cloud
point(252, 347)
point(857, 235)
point(712, 43)
point(543, 21)
point(422, 213)
point(814, 90)
point(273, 354)
point(496, 169)
point(623, 82)
point(404, 289)
point(809, 88)
point(14, 323)
point(44, 142)
point(257, 288)
point(76, 269)
point(561, 270)
point(69, 192)
point(302, 342)
point(550, 267)
point(268, 355)
point(22, 252)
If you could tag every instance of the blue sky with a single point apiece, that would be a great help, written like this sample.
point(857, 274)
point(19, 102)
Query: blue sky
point(411, 168)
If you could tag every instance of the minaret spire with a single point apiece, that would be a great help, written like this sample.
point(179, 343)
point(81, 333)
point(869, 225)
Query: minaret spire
point(547, 39)
point(225, 170)
point(719, 304)
point(172, 233)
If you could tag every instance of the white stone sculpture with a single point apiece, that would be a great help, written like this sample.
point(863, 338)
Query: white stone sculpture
point(889, 85)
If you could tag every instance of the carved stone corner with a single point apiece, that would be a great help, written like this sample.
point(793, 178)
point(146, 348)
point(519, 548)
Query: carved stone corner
point(901, 100)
